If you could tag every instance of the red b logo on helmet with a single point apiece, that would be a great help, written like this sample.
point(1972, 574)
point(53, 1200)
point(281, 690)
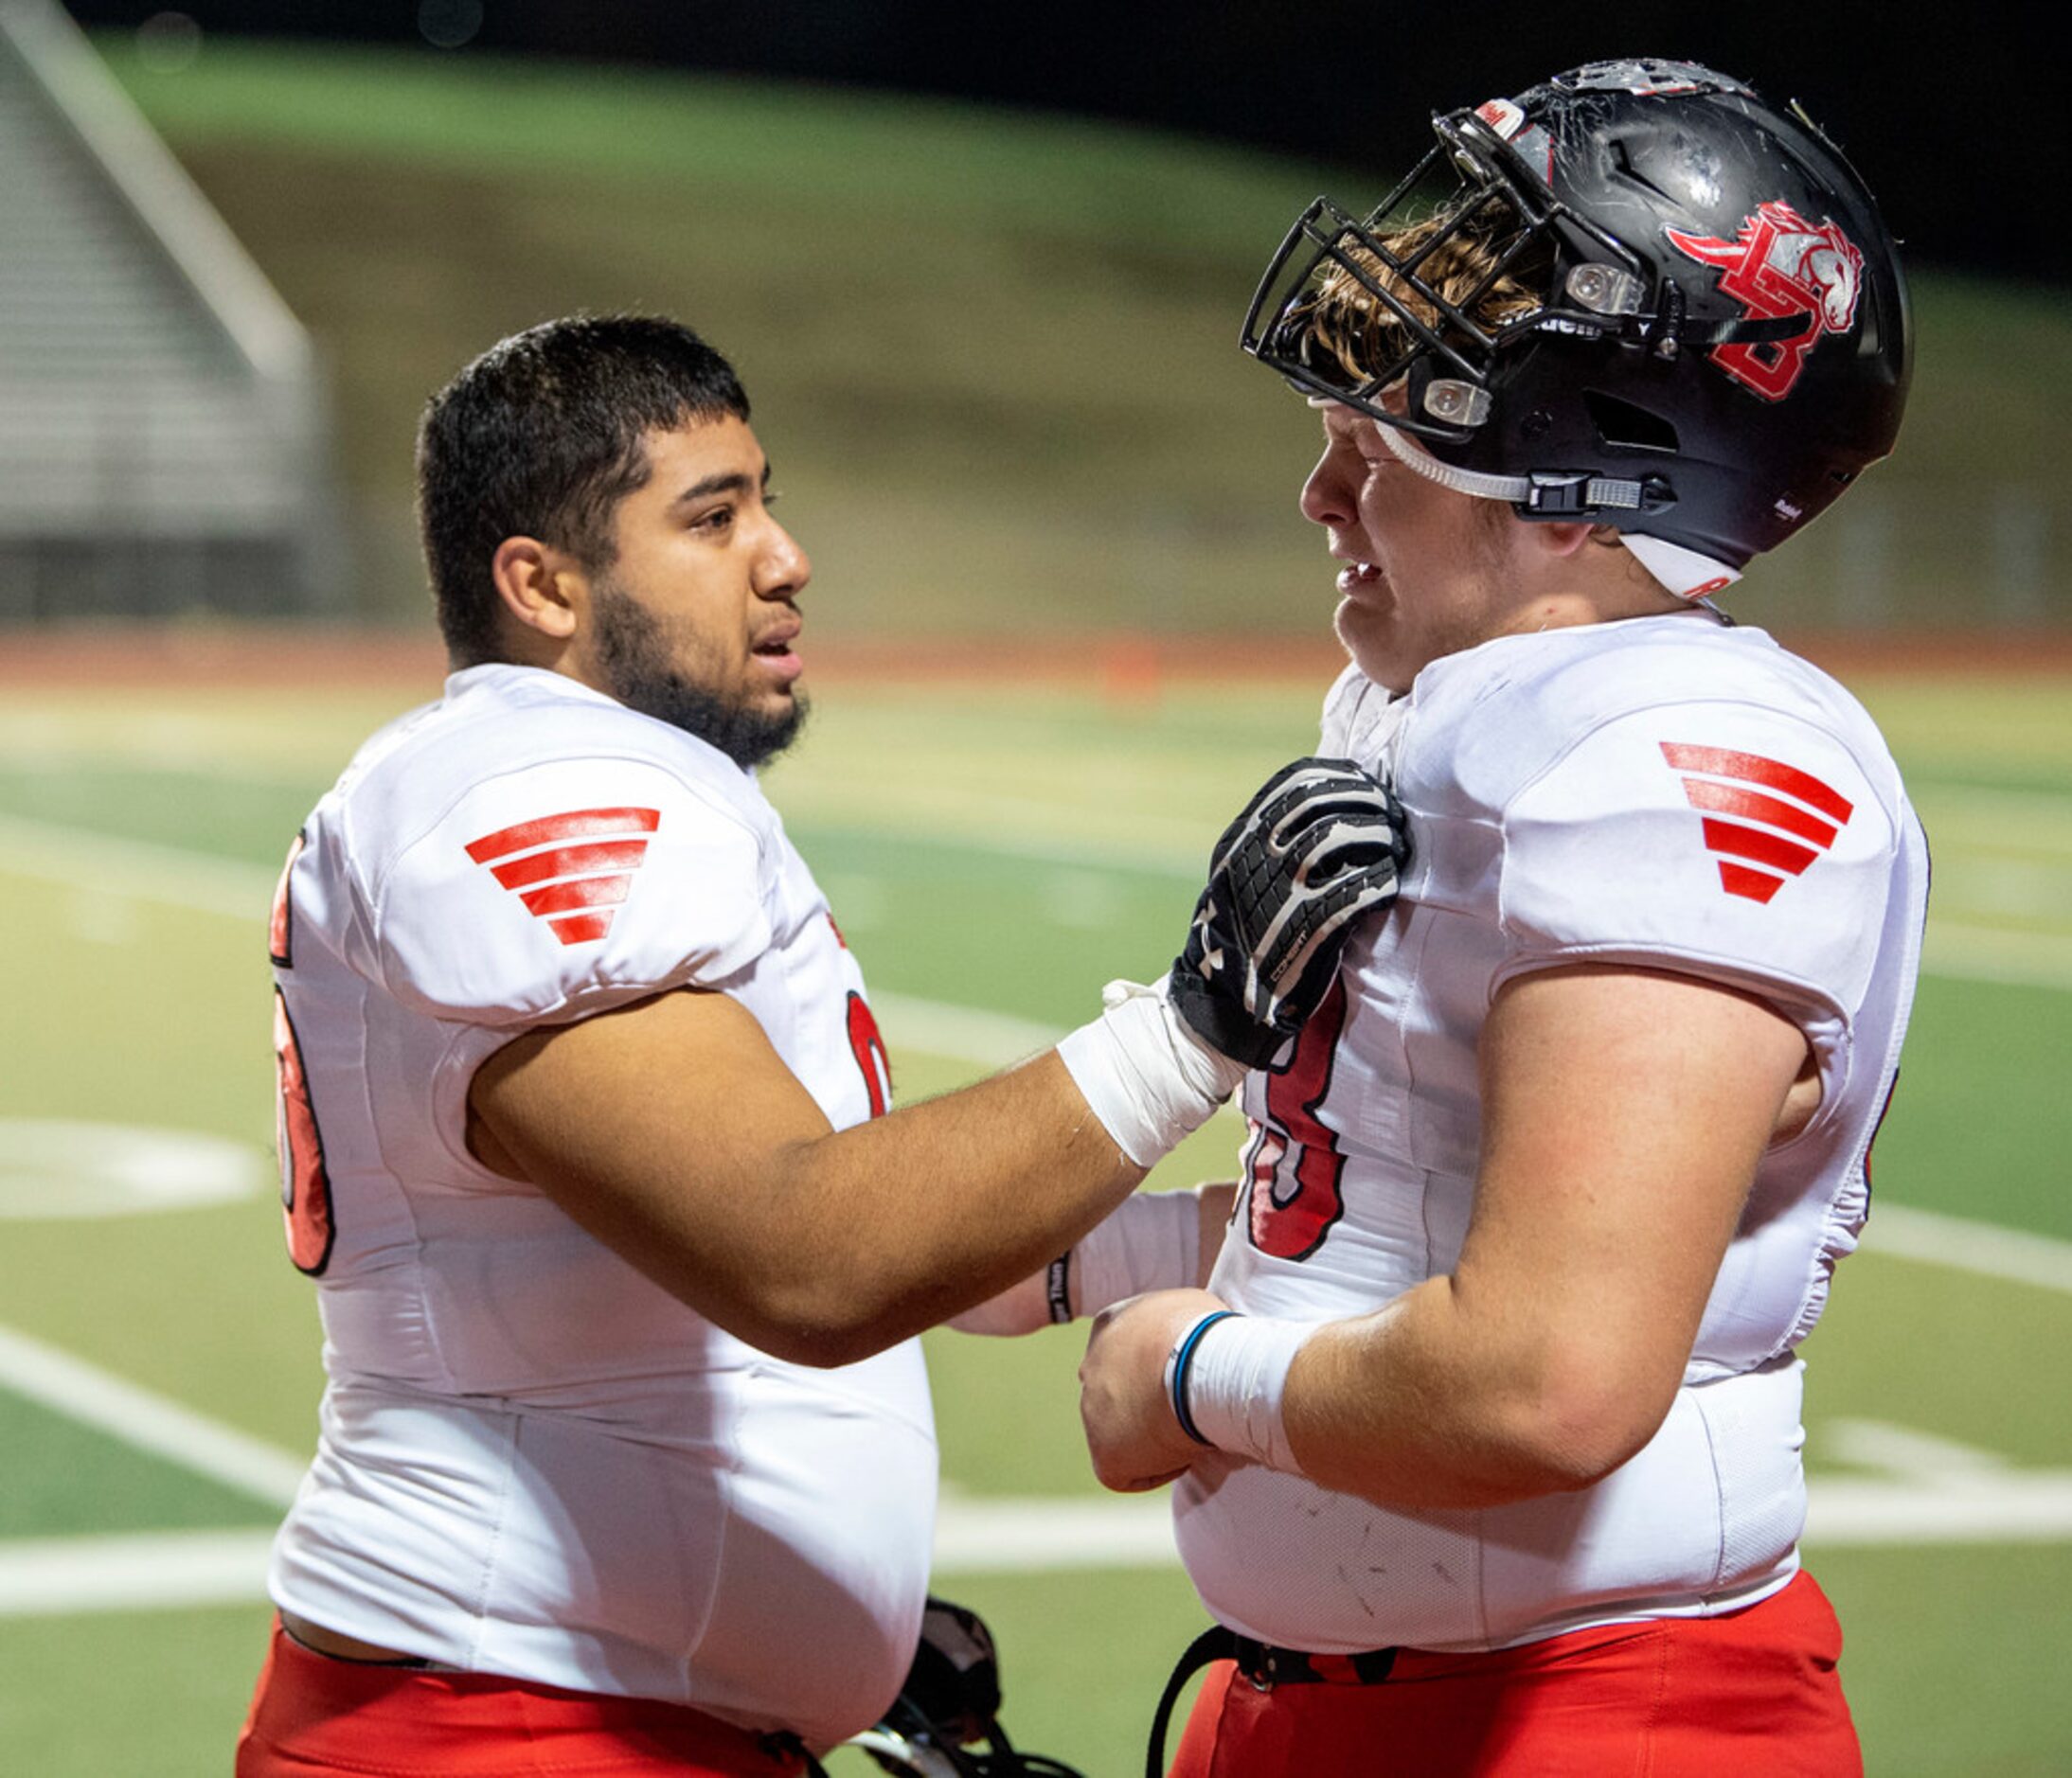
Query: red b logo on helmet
point(1779, 265)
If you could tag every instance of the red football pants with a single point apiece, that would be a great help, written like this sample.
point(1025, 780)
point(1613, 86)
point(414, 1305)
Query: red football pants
point(314, 1715)
point(1755, 1692)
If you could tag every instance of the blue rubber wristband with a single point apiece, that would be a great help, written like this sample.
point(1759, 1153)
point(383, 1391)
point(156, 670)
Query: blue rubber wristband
point(1182, 1355)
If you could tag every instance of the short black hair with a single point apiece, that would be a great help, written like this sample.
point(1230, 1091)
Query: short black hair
point(541, 437)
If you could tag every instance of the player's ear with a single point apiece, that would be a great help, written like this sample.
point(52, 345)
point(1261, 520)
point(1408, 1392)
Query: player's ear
point(539, 586)
point(1559, 538)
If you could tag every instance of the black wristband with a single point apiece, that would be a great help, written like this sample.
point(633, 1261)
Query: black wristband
point(1058, 1288)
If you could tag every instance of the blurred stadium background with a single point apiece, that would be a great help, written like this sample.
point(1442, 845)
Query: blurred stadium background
point(1065, 615)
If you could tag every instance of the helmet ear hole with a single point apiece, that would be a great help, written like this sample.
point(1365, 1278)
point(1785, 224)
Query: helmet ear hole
point(1623, 426)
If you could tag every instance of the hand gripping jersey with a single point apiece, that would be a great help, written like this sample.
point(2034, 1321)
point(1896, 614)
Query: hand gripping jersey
point(1658, 791)
point(533, 1461)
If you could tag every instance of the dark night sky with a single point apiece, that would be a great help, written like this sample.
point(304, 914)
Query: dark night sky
point(1951, 114)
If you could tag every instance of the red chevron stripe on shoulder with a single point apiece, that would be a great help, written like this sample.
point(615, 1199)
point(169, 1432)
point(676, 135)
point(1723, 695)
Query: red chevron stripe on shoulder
point(577, 823)
point(571, 870)
point(1721, 762)
point(1782, 827)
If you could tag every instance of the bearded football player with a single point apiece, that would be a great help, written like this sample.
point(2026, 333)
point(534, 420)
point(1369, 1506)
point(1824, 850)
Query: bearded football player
point(627, 1463)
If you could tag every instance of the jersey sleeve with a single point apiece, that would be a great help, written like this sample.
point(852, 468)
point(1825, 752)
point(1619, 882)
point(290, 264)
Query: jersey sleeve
point(1716, 838)
point(1341, 706)
point(566, 888)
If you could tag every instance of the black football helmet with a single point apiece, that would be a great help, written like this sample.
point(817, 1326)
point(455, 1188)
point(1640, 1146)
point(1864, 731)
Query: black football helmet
point(1681, 317)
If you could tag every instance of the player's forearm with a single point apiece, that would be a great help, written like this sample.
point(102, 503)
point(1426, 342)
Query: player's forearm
point(1430, 1403)
point(894, 1225)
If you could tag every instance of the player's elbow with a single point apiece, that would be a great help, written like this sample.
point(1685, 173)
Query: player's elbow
point(1577, 1425)
point(819, 1348)
point(817, 1321)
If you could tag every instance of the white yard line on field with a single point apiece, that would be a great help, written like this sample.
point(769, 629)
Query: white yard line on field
point(1932, 1490)
point(140, 869)
point(2012, 1255)
point(151, 1571)
point(147, 1420)
point(164, 1571)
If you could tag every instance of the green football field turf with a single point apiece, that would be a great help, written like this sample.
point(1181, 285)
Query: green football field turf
point(994, 852)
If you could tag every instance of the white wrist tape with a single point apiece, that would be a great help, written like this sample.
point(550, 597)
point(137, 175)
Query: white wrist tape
point(1147, 1076)
point(1152, 1241)
point(1225, 1378)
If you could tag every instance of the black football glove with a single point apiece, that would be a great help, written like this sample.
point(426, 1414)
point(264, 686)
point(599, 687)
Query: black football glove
point(1318, 849)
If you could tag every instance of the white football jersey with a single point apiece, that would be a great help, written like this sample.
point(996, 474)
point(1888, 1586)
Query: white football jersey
point(1661, 792)
point(534, 1461)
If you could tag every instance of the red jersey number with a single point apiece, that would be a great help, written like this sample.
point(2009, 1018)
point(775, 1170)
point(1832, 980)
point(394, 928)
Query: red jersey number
point(305, 1186)
point(869, 1048)
point(1293, 1165)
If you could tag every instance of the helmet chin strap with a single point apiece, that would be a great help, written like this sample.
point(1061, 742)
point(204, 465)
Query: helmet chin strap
point(1683, 572)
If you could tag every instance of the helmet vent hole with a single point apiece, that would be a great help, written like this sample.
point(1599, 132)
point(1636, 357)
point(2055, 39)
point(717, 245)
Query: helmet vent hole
point(1624, 161)
point(1621, 426)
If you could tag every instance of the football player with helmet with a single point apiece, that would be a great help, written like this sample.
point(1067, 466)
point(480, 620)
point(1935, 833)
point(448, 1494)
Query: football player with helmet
point(1487, 1428)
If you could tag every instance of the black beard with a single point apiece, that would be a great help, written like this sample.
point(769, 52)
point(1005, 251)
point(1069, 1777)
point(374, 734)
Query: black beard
point(633, 657)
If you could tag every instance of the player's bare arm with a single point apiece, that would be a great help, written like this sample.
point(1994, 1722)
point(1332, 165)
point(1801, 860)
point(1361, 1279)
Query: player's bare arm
point(813, 1245)
point(824, 1246)
point(1151, 1241)
point(1625, 1111)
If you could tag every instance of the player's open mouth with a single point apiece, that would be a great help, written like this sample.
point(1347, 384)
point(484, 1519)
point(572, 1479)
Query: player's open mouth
point(777, 651)
point(1356, 574)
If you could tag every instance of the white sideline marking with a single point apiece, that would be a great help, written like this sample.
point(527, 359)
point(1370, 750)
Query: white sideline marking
point(56, 1576)
point(149, 1422)
point(2011, 1255)
point(142, 869)
point(2021, 1506)
point(1934, 1490)
point(54, 1169)
point(1007, 1536)
point(1901, 1450)
point(1983, 1505)
point(170, 1570)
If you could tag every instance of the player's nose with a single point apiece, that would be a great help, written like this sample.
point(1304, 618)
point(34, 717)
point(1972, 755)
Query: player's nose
point(1327, 494)
point(782, 568)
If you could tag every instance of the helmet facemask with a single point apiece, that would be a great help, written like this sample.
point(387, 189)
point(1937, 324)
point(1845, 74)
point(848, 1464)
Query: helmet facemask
point(1456, 266)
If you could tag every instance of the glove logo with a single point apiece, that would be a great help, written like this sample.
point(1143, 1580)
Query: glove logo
point(1780, 265)
point(570, 870)
point(1755, 859)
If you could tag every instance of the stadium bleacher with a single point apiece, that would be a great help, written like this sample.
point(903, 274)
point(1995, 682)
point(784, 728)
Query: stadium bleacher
point(161, 435)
